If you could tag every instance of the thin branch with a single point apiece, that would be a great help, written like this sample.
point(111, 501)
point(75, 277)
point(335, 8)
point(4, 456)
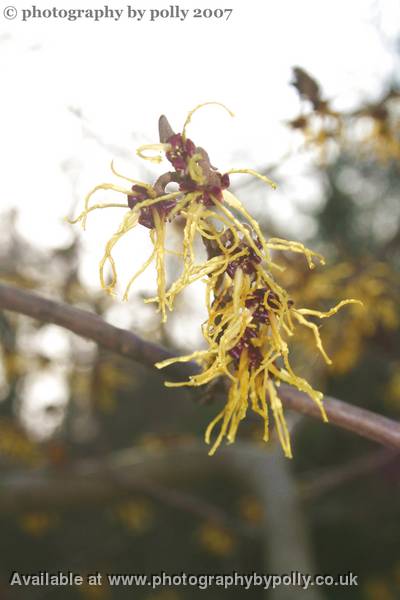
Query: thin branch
point(319, 482)
point(91, 326)
point(98, 481)
point(358, 420)
point(158, 473)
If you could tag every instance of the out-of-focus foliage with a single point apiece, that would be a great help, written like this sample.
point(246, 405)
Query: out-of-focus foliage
point(358, 228)
point(371, 130)
point(375, 282)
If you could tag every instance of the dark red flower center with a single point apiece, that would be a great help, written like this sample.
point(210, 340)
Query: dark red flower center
point(180, 152)
point(146, 217)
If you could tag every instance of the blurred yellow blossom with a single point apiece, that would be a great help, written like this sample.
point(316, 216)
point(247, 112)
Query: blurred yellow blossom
point(137, 515)
point(36, 523)
point(95, 592)
point(379, 589)
point(216, 540)
point(251, 509)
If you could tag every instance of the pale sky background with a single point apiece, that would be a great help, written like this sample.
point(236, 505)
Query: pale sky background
point(120, 76)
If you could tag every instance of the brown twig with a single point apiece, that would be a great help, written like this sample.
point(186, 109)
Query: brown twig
point(91, 326)
point(103, 480)
point(165, 130)
point(358, 420)
point(158, 473)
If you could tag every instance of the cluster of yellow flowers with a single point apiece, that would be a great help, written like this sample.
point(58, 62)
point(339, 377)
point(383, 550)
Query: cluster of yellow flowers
point(373, 129)
point(376, 282)
point(250, 316)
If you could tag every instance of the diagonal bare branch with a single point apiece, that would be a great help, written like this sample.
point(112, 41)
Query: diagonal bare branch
point(358, 420)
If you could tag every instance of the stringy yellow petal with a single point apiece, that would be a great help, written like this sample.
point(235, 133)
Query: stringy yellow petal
point(188, 357)
point(315, 330)
point(280, 423)
point(138, 273)
point(147, 186)
point(330, 312)
point(196, 108)
point(102, 186)
point(92, 208)
point(263, 178)
point(129, 222)
point(158, 148)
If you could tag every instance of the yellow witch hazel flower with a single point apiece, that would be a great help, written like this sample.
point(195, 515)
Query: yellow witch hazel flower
point(249, 319)
point(200, 200)
point(250, 316)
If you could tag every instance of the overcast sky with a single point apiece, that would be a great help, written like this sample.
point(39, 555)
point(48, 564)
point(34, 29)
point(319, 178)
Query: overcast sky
point(120, 75)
